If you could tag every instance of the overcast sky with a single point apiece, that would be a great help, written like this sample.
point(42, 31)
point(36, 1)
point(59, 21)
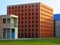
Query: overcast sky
point(55, 4)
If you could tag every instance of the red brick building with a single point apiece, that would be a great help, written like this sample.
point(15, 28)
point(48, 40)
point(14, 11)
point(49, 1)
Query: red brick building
point(35, 20)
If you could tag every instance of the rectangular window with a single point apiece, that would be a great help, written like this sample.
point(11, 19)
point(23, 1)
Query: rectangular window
point(32, 35)
point(8, 33)
point(9, 7)
point(4, 33)
point(4, 20)
point(12, 7)
point(37, 35)
point(8, 20)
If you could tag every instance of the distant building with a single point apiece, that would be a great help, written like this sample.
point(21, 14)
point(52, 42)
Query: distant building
point(35, 20)
point(8, 27)
point(57, 24)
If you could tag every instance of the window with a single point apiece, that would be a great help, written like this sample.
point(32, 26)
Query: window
point(18, 29)
point(36, 35)
point(36, 5)
point(18, 22)
point(28, 21)
point(36, 25)
point(28, 29)
point(8, 33)
point(29, 10)
point(19, 7)
point(22, 29)
point(32, 21)
point(18, 25)
point(22, 10)
point(22, 22)
point(22, 6)
point(29, 35)
point(25, 35)
point(25, 6)
point(32, 29)
point(33, 35)
point(15, 7)
point(32, 17)
point(25, 17)
point(22, 17)
point(25, 10)
point(29, 6)
point(4, 28)
point(32, 5)
point(25, 21)
point(18, 14)
point(32, 10)
point(32, 25)
point(36, 9)
point(29, 13)
point(9, 7)
point(8, 20)
point(36, 17)
point(9, 29)
point(18, 18)
point(36, 13)
point(32, 13)
point(4, 33)
point(25, 14)
point(12, 7)
point(29, 17)
point(25, 25)
point(36, 21)
point(25, 29)
point(18, 10)
point(22, 25)
point(4, 20)
point(36, 29)
point(22, 35)
point(28, 25)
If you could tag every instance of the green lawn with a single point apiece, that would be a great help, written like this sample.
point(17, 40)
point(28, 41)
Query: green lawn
point(50, 41)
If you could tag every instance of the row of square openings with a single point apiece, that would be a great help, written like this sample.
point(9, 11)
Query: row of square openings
point(28, 35)
point(27, 25)
point(22, 10)
point(27, 30)
point(28, 18)
point(27, 22)
point(23, 6)
point(28, 14)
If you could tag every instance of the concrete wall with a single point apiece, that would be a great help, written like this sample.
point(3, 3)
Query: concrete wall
point(8, 25)
point(57, 28)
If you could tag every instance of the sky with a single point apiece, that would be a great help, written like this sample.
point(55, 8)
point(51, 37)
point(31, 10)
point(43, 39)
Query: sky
point(55, 4)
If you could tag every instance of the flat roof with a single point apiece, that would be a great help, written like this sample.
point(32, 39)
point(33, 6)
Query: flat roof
point(8, 15)
point(24, 4)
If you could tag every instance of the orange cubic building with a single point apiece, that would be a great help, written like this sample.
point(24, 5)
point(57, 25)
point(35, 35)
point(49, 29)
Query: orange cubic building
point(35, 20)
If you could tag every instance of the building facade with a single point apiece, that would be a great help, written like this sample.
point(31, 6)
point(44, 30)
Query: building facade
point(8, 27)
point(57, 25)
point(35, 20)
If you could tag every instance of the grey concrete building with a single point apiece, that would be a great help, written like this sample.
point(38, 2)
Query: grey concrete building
point(8, 27)
point(57, 25)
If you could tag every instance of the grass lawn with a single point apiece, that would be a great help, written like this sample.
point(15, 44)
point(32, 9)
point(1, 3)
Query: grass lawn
point(50, 41)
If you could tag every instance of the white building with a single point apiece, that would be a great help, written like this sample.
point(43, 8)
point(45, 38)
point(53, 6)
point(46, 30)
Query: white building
point(8, 27)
